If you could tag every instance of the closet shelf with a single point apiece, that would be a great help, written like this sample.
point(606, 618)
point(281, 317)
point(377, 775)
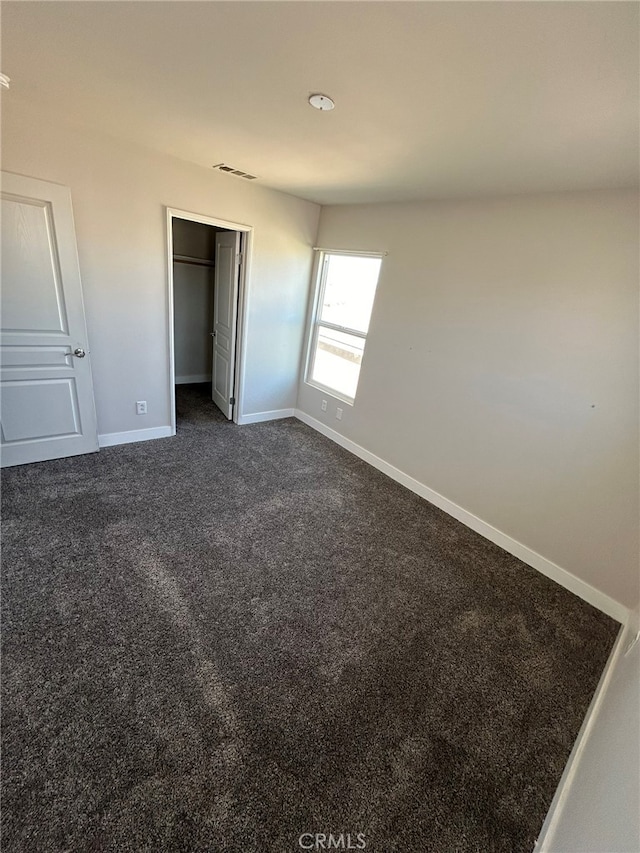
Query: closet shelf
point(187, 259)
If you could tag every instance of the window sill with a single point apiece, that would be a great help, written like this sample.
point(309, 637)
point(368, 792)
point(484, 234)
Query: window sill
point(330, 392)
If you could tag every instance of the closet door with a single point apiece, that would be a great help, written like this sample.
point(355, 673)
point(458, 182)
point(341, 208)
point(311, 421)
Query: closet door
point(225, 309)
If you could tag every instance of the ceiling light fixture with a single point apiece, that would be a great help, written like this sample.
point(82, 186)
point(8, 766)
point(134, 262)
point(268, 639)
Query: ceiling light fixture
point(321, 102)
point(4, 81)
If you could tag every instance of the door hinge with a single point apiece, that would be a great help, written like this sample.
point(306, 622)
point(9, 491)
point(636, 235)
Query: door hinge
point(232, 401)
point(240, 258)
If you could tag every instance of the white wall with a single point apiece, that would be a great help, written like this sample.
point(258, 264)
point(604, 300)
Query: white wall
point(600, 806)
point(501, 368)
point(119, 195)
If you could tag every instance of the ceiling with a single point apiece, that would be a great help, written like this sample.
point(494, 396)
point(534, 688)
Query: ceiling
point(433, 99)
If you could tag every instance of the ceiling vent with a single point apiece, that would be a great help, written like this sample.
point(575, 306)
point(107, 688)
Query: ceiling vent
point(231, 170)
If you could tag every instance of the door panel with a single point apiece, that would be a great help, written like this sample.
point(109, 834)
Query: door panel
point(22, 404)
point(225, 305)
point(221, 377)
point(46, 390)
point(29, 257)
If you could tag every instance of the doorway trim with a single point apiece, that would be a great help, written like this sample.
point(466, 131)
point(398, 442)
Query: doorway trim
point(246, 245)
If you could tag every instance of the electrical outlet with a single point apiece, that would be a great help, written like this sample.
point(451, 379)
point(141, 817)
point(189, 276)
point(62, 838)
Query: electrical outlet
point(339, 413)
point(323, 405)
point(141, 407)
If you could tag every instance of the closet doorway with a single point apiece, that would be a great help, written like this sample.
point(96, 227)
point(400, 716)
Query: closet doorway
point(207, 260)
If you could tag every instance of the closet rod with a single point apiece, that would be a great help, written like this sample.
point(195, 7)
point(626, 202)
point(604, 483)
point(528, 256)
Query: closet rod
point(187, 259)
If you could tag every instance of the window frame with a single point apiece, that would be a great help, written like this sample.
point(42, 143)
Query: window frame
point(315, 323)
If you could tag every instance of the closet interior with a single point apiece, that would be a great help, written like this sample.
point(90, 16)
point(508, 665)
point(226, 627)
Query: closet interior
point(194, 282)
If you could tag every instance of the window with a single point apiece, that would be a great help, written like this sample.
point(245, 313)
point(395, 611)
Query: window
point(345, 290)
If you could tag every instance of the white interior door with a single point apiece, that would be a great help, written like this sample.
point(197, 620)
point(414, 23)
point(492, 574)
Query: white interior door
point(225, 308)
point(46, 392)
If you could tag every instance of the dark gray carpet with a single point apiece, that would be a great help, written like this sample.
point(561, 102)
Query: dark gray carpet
point(223, 640)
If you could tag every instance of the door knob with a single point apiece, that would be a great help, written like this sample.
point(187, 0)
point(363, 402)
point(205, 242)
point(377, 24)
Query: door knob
point(79, 352)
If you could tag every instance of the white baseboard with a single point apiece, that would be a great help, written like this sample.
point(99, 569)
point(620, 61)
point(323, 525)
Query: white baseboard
point(108, 439)
point(569, 581)
point(193, 378)
point(554, 815)
point(258, 417)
